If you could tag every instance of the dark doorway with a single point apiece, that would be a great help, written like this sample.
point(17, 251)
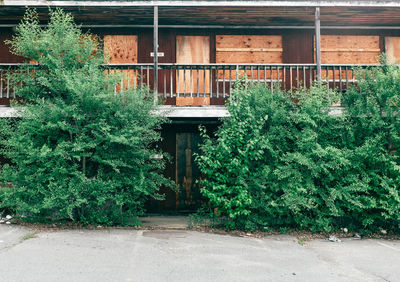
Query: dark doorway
point(181, 141)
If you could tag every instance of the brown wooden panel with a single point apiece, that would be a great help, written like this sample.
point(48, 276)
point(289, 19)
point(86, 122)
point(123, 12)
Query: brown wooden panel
point(392, 49)
point(257, 49)
point(193, 50)
point(350, 49)
point(192, 101)
point(121, 48)
point(249, 41)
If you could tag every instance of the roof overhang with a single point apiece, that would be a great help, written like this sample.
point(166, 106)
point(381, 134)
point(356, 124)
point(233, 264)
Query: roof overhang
point(215, 14)
point(210, 3)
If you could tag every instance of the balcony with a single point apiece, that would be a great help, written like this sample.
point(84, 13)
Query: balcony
point(209, 84)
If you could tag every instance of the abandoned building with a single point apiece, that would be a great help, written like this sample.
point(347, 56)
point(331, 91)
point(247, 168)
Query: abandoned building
point(199, 49)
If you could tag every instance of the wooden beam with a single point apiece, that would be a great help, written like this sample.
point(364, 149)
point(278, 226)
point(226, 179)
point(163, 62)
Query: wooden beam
point(217, 3)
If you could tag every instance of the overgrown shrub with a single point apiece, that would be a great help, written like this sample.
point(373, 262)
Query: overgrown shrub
point(372, 117)
point(283, 161)
point(79, 151)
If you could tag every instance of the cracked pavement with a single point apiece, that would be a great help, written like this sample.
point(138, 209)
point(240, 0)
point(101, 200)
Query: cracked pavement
point(184, 255)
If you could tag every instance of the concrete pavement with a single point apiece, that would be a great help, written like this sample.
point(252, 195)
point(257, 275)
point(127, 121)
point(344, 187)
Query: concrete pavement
point(183, 255)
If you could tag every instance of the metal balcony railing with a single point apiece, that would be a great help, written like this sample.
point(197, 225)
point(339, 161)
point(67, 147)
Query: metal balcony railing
point(213, 80)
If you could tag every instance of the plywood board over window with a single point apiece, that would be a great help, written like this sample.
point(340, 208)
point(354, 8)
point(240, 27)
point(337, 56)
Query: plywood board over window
point(122, 49)
point(248, 49)
point(350, 49)
point(392, 49)
point(192, 50)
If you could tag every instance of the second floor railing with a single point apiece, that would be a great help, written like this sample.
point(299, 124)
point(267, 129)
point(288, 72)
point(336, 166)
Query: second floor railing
point(213, 80)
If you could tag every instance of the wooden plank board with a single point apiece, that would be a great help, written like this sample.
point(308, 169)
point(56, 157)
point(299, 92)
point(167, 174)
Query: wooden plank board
point(392, 49)
point(259, 49)
point(120, 49)
point(249, 57)
point(193, 50)
point(192, 101)
point(350, 49)
point(249, 41)
point(249, 49)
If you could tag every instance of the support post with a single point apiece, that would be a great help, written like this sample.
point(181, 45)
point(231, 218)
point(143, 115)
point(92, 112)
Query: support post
point(155, 52)
point(318, 43)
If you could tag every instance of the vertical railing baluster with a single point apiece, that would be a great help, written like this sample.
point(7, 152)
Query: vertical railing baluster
point(141, 76)
point(198, 80)
point(216, 81)
point(340, 79)
point(291, 78)
point(311, 68)
point(8, 86)
point(184, 82)
point(304, 77)
point(334, 78)
point(272, 78)
point(164, 71)
point(230, 79)
point(284, 77)
point(223, 82)
point(211, 79)
point(327, 77)
point(297, 77)
point(178, 85)
point(265, 75)
point(148, 79)
point(191, 81)
point(347, 78)
point(251, 70)
point(277, 71)
point(204, 81)
point(171, 83)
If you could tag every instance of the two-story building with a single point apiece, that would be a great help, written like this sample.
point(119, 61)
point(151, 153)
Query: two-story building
point(200, 48)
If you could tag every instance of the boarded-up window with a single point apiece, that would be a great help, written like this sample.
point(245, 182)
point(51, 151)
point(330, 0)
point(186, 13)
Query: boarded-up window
point(257, 49)
point(249, 49)
point(192, 50)
point(122, 49)
point(349, 49)
point(392, 49)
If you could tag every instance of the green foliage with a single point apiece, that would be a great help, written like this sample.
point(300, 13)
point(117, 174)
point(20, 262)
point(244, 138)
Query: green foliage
point(282, 161)
point(79, 151)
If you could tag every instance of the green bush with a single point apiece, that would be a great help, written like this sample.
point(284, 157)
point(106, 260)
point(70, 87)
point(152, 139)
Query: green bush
point(282, 161)
point(79, 151)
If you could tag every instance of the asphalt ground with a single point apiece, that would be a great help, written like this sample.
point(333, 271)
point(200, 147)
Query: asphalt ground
point(27, 254)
